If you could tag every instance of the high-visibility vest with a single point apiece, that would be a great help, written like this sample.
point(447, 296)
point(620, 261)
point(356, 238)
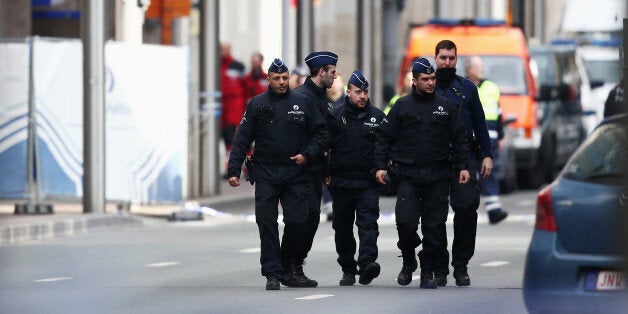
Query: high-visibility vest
point(489, 96)
point(391, 103)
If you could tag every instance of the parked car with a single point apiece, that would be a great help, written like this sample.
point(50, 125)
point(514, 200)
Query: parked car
point(600, 68)
point(559, 112)
point(576, 258)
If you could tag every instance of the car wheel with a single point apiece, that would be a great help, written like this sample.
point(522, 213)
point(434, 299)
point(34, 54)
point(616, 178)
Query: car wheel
point(533, 177)
point(509, 181)
point(549, 160)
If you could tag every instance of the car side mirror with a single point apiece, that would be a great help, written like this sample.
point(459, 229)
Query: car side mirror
point(564, 92)
point(596, 84)
point(547, 93)
point(510, 120)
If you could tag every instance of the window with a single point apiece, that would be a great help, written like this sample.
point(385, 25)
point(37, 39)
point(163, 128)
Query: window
point(602, 157)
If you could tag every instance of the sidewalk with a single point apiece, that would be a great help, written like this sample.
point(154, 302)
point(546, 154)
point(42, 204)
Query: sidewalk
point(68, 218)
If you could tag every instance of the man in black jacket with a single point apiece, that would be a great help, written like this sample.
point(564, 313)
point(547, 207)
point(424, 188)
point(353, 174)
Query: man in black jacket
point(322, 66)
point(288, 132)
point(425, 129)
point(464, 198)
point(352, 186)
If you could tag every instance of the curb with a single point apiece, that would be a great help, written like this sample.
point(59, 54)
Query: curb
point(54, 228)
point(73, 222)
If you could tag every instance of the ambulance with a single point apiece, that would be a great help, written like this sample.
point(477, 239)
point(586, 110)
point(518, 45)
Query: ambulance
point(504, 51)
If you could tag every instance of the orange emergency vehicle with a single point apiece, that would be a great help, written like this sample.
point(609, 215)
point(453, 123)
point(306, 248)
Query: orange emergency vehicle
point(504, 52)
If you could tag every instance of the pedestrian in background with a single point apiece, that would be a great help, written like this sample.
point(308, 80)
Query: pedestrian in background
point(255, 81)
point(352, 185)
point(322, 65)
point(336, 93)
point(429, 140)
point(464, 198)
point(489, 97)
point(233, 97)
point(288, 131)
point(297, 77)
point(407, 89)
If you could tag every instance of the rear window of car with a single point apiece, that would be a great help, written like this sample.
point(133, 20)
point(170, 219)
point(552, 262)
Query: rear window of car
point(542, 61)
point(601, 158)
point(603, 70)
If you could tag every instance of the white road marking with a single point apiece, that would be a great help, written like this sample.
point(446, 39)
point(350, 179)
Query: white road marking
point(53, 279)
point(495, 264)
point(251, 250)
point(164, 264)
point(315, 297)
point(527, 203)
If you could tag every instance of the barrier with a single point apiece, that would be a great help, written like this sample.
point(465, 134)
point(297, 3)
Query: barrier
point(146, 121)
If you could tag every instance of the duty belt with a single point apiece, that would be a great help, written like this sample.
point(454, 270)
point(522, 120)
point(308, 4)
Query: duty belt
point(424, 164)
point(351, 174)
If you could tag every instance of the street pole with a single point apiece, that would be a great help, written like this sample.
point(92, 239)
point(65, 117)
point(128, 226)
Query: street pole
point(93, 106)
point(305, 29)
point(285, 34)
point(365, 42)
point(390, 55)
point(209, 104)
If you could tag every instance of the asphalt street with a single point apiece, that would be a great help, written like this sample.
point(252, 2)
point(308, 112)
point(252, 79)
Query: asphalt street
point(212, 266)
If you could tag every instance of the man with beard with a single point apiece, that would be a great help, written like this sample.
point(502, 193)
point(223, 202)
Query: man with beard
point(464, 198)
point(322, 65)
point(288, 131)
point(352, 186)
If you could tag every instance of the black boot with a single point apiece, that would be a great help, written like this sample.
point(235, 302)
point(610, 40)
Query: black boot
point(440, 278)
point(461, 276)
point(369, 272)
point(496, 215)
point(348, 279)
point(409, 266)
point(295, 277)
point(272, 283)
point(427, 279)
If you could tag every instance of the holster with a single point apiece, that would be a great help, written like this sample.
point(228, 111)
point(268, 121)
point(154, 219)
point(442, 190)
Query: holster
point(476, 148)
point(390, 188)
point(249, 162)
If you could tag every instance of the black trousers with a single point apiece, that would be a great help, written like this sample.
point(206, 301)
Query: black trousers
point(362, 207)
point(427, 203)
point(293, 197)
point(314, 215)
point(465, 200)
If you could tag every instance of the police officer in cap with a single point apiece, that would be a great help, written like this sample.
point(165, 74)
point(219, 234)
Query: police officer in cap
point(289, 132)
point(429, 138)
point(352, 186)
point(322, 65)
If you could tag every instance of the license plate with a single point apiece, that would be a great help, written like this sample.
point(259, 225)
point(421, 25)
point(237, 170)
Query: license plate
point(605, 280)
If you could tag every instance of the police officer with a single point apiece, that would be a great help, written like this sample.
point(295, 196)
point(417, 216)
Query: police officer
point(614, 103)
point(429, 139)
point(322, 65)
point(465, 198)
point(288, 132)
point(489, 97)
point(352, 186)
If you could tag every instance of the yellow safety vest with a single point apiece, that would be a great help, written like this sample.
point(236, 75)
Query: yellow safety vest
point(391, 103)
point(489, 96)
